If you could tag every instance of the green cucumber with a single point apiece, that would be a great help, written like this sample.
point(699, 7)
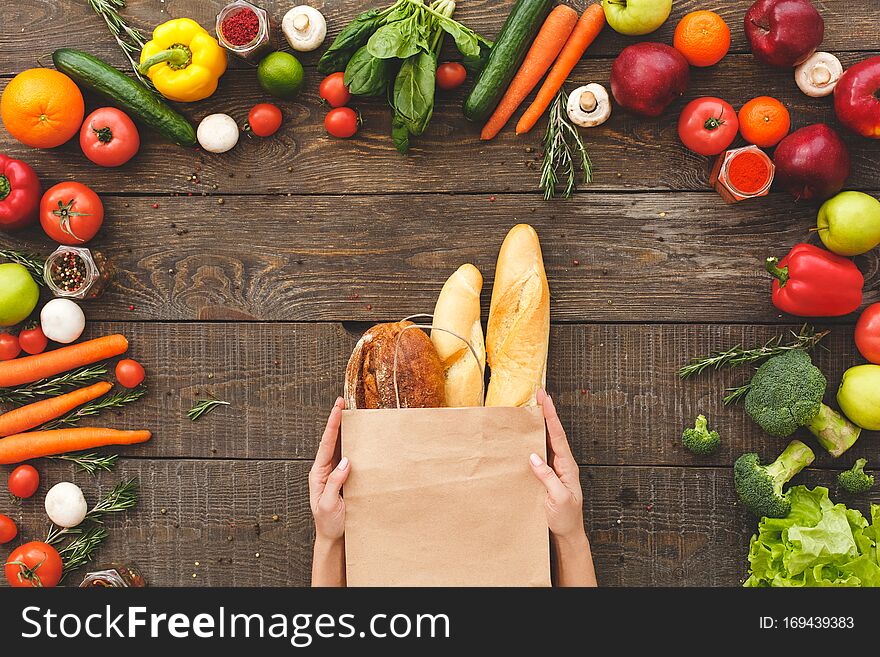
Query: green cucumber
point(507, 55)
point(130, 95)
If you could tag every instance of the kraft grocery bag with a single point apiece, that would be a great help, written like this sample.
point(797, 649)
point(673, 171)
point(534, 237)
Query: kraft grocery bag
point(444, 497)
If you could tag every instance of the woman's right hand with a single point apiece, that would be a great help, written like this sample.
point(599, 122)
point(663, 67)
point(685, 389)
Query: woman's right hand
point(326, 478)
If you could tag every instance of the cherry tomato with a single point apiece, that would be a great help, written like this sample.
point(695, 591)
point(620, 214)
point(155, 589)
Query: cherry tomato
point(868, 333)
point(334, 91)
point(34, 565)
point(71, 213)
point(129, 373)
point(341, 122)
point(8, 529)
point(264, 119)
point(108, 137)
point(9, 346)
point(707, 125)
point(24, 481)
point(33, 340)
point(450, 75)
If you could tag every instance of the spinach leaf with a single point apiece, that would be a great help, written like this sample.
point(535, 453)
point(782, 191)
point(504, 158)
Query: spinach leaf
point(400, 39)
point(414, 91)
point(366, 75)
point(399, 134)
point(466, 40)
point(476, 64)
point(349, 40)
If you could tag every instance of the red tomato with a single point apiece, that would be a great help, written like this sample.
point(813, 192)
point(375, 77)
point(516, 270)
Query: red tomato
point(33, 341)
point(708, 125)
point(868, 333)
point(334, 91)
point(9, 346)
point(264, 119)
point(71, 213)
point(34, 565)
point(8, 529)
point(129, 373)
point(108, 137)
point(341, 122)
point(450, 75)
point(24, 481)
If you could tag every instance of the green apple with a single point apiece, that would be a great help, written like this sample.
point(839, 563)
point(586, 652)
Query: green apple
point(849, 223)
point(633, 17)
point(18, 294)
point(859, 396)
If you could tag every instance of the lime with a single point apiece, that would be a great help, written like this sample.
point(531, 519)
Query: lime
point(280, 74)
point(18, 294)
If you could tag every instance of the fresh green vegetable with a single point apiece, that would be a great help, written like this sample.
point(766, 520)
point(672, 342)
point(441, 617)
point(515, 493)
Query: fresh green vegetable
point(819, 543)
point(856, 480)
point(508, 52)
point(203, 407)
point(760, 486)
point(564, 151)
point(90, 462)
point(699, 439)
point(130, 95)
point(786, 393)
point(129, 39)
point(352, 38)
point(367, 75)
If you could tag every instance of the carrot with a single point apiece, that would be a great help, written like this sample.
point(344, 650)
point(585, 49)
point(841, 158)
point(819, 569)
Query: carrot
point(550, 40)
point(26, 446)
point(33, 415)
point(33, 368)
point(585, 32)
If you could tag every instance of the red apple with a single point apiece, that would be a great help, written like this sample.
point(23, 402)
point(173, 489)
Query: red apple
point(783, 32)
point(647, 76)
point(812, 162)
point(857, 98)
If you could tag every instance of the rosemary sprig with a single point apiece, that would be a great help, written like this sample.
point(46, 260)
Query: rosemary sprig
point(53, 386)
point(112, 400)
point(564, 151)
point(806, 339)
point(736, 395)
point(122, 496)
point(130, 39)
point(81, 549)
point(31, 261)
point(90, 462)
point(204, 406)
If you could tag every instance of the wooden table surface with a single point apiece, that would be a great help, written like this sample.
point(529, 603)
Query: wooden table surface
point(250, 275)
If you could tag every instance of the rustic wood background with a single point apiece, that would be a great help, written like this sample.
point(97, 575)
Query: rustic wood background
point(258, 270)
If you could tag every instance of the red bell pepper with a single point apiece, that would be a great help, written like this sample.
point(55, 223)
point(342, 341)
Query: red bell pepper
point(20, 194)
point(813, 282)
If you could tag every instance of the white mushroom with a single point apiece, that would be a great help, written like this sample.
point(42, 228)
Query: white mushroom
point(218, 133)
point(304, 27)
point(589, 105)
point(66, 505)
point(62, 320)
point(818, 75)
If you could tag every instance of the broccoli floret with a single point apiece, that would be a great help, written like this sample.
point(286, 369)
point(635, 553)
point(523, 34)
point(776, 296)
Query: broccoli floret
point(786, 393)
point(856, 480)
point(760, 486)
point(700, 440)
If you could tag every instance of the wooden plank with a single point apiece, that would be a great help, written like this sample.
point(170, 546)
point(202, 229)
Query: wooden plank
point(39, 26)
point(612, 257)
point(615, 386)
point(628, 152)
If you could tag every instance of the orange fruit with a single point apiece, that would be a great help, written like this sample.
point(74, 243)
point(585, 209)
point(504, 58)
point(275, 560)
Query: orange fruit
point(42, 108)
point(702, 37)
point(764, 121)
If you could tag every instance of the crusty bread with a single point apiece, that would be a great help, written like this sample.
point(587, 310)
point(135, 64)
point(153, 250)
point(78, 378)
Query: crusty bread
point(519, 321)
point(458, 310)
point(369, 377)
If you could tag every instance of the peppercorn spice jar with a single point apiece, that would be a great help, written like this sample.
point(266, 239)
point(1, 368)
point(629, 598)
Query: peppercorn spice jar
point(245, 30)
point(113, 576)
point(742, 173)
point(75, 272)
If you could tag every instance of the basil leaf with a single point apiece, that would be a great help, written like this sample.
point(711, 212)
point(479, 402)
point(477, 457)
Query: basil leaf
point(366, 75)
point(414, 91)
point(349, 40)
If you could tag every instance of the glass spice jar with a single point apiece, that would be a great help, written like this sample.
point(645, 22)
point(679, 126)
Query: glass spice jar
point(76, 272)
point(245, 30)
point(742, 173)
point(113, 576)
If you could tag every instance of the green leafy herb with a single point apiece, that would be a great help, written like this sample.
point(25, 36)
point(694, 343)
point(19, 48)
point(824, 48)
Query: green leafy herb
point(52, 387)
point(414, 91)
point(736, 395)
point(367, 75)
point(90, 462)
point(129, 39)
point(204, 406)
point(32, 262)
point(564, 151)
point(112, 400)
point(81, 550)
point(355, 35)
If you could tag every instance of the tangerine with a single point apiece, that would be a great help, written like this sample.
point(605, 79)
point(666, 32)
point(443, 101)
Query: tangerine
point(702, 37)
point(764, 121)
point(42, 108)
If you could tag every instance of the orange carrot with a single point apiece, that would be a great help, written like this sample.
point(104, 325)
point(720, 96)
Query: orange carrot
point(33, 415)
point(26, 446)
point(585, 32)
point(550, 40)
point(33, 368)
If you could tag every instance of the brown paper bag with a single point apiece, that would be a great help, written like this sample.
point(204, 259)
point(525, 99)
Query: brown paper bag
point(444, 497)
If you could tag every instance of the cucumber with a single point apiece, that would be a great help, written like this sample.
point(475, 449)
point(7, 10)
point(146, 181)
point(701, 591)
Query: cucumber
point(130, 95)
point(507, 55)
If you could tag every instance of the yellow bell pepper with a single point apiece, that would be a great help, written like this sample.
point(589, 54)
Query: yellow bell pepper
point(183, 61)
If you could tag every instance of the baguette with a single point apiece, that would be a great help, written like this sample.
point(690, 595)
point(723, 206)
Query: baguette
point(519, 321)
point(458, 310)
